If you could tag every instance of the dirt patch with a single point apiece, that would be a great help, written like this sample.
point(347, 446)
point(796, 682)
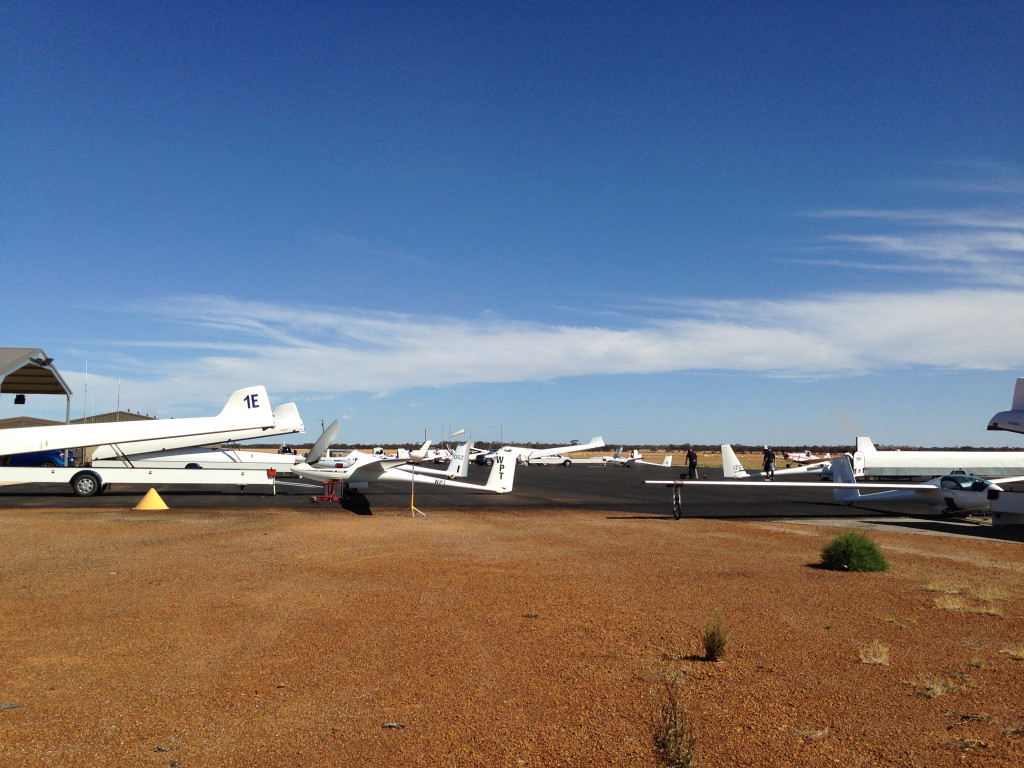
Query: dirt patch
point(292, 637)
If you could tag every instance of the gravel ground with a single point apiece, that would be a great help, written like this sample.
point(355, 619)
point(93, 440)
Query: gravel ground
point(288, 637)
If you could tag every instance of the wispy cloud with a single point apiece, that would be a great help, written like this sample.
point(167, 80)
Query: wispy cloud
point(308, 353)
point(979, 248)
point(837, 335)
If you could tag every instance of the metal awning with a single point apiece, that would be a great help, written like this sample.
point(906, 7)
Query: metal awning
point(30, 372)
point(25, 371)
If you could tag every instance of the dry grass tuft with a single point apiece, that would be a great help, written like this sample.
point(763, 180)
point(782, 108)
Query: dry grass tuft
point(1014, 651)
point(672, 733)
point(944, 585)
point(967, 717)
point(966, 744)
point(933, 687)
point(950, 602)
point(947, 602)
point(875, 653)
point(990, 593)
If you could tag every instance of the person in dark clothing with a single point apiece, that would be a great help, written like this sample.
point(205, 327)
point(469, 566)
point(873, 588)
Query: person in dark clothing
point(768, 462)
point(691, 462)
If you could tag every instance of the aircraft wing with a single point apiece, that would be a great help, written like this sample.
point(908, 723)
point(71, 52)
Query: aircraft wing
point(595, 443)
point(769, 484)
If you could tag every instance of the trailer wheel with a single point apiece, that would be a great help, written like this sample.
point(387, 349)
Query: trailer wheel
point(86, 484)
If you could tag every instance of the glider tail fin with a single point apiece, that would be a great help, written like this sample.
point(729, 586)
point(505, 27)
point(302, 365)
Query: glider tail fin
point(731, 466)
point(459, 465)
point(1018, 396)
point(842, 472)
point(503, 471)
point(244, 401)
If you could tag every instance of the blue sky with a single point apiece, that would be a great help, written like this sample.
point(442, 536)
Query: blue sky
point(658, 222)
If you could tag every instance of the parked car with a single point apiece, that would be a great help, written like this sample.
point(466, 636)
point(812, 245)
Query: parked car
point(565, 461)
point(38, 459)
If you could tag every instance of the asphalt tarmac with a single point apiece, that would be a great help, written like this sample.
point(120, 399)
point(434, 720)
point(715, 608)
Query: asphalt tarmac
point(617, 492)
point(598, 488)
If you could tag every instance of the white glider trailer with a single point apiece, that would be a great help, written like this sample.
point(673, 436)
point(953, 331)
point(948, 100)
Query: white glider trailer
point(246, 410)
point(89, 481)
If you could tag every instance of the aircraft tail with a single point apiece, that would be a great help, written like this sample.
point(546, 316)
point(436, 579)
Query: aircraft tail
point(1018, 396)
point(503, 471)
point(842, 472)
point(618, 452)
point(245, 401)
point(459, 465)
point(864, 445)
point(731, 466)
point(667, 461)
point(286, 417)
point(420, 453)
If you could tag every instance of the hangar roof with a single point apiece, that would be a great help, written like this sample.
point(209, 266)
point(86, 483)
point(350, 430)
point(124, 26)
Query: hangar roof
point(28, 371)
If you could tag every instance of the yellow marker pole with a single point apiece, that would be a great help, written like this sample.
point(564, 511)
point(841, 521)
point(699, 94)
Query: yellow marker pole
point(412, 494)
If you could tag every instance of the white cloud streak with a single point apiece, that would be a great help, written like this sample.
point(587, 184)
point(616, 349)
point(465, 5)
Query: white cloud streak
point(298, 353)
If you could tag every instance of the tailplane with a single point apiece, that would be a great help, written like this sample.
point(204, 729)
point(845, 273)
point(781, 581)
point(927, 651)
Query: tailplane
point(246, 401)
point(459, 465)
point(864, 445)
point(731, 466)
point(1018, 396)
point(842, 472)
point(502, 471)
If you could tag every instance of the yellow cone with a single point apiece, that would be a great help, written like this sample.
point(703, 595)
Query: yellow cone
point(151, 500)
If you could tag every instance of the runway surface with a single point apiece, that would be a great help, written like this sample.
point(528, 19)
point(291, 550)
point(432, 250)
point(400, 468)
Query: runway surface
point(599, 488)
point(615, 492)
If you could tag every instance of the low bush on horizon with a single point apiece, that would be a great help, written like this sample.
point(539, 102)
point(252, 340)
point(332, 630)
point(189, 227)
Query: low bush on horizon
point(853, 552)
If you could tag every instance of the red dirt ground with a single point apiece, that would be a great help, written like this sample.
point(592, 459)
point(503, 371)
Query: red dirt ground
point(298, 638)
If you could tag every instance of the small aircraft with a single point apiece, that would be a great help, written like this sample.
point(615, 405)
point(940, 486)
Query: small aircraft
point(1013, 419)
point(618, 460)
point(804, 457)
point(955, 492)
point(525, 455)
point(732, 468)
point(358, 470)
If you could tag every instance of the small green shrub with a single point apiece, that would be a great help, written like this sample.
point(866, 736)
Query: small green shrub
point(853, 552)
point(714, 638)
point(674, 739)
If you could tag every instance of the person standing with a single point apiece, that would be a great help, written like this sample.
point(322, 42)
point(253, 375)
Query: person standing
point(691, 462)
point(768, 462)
